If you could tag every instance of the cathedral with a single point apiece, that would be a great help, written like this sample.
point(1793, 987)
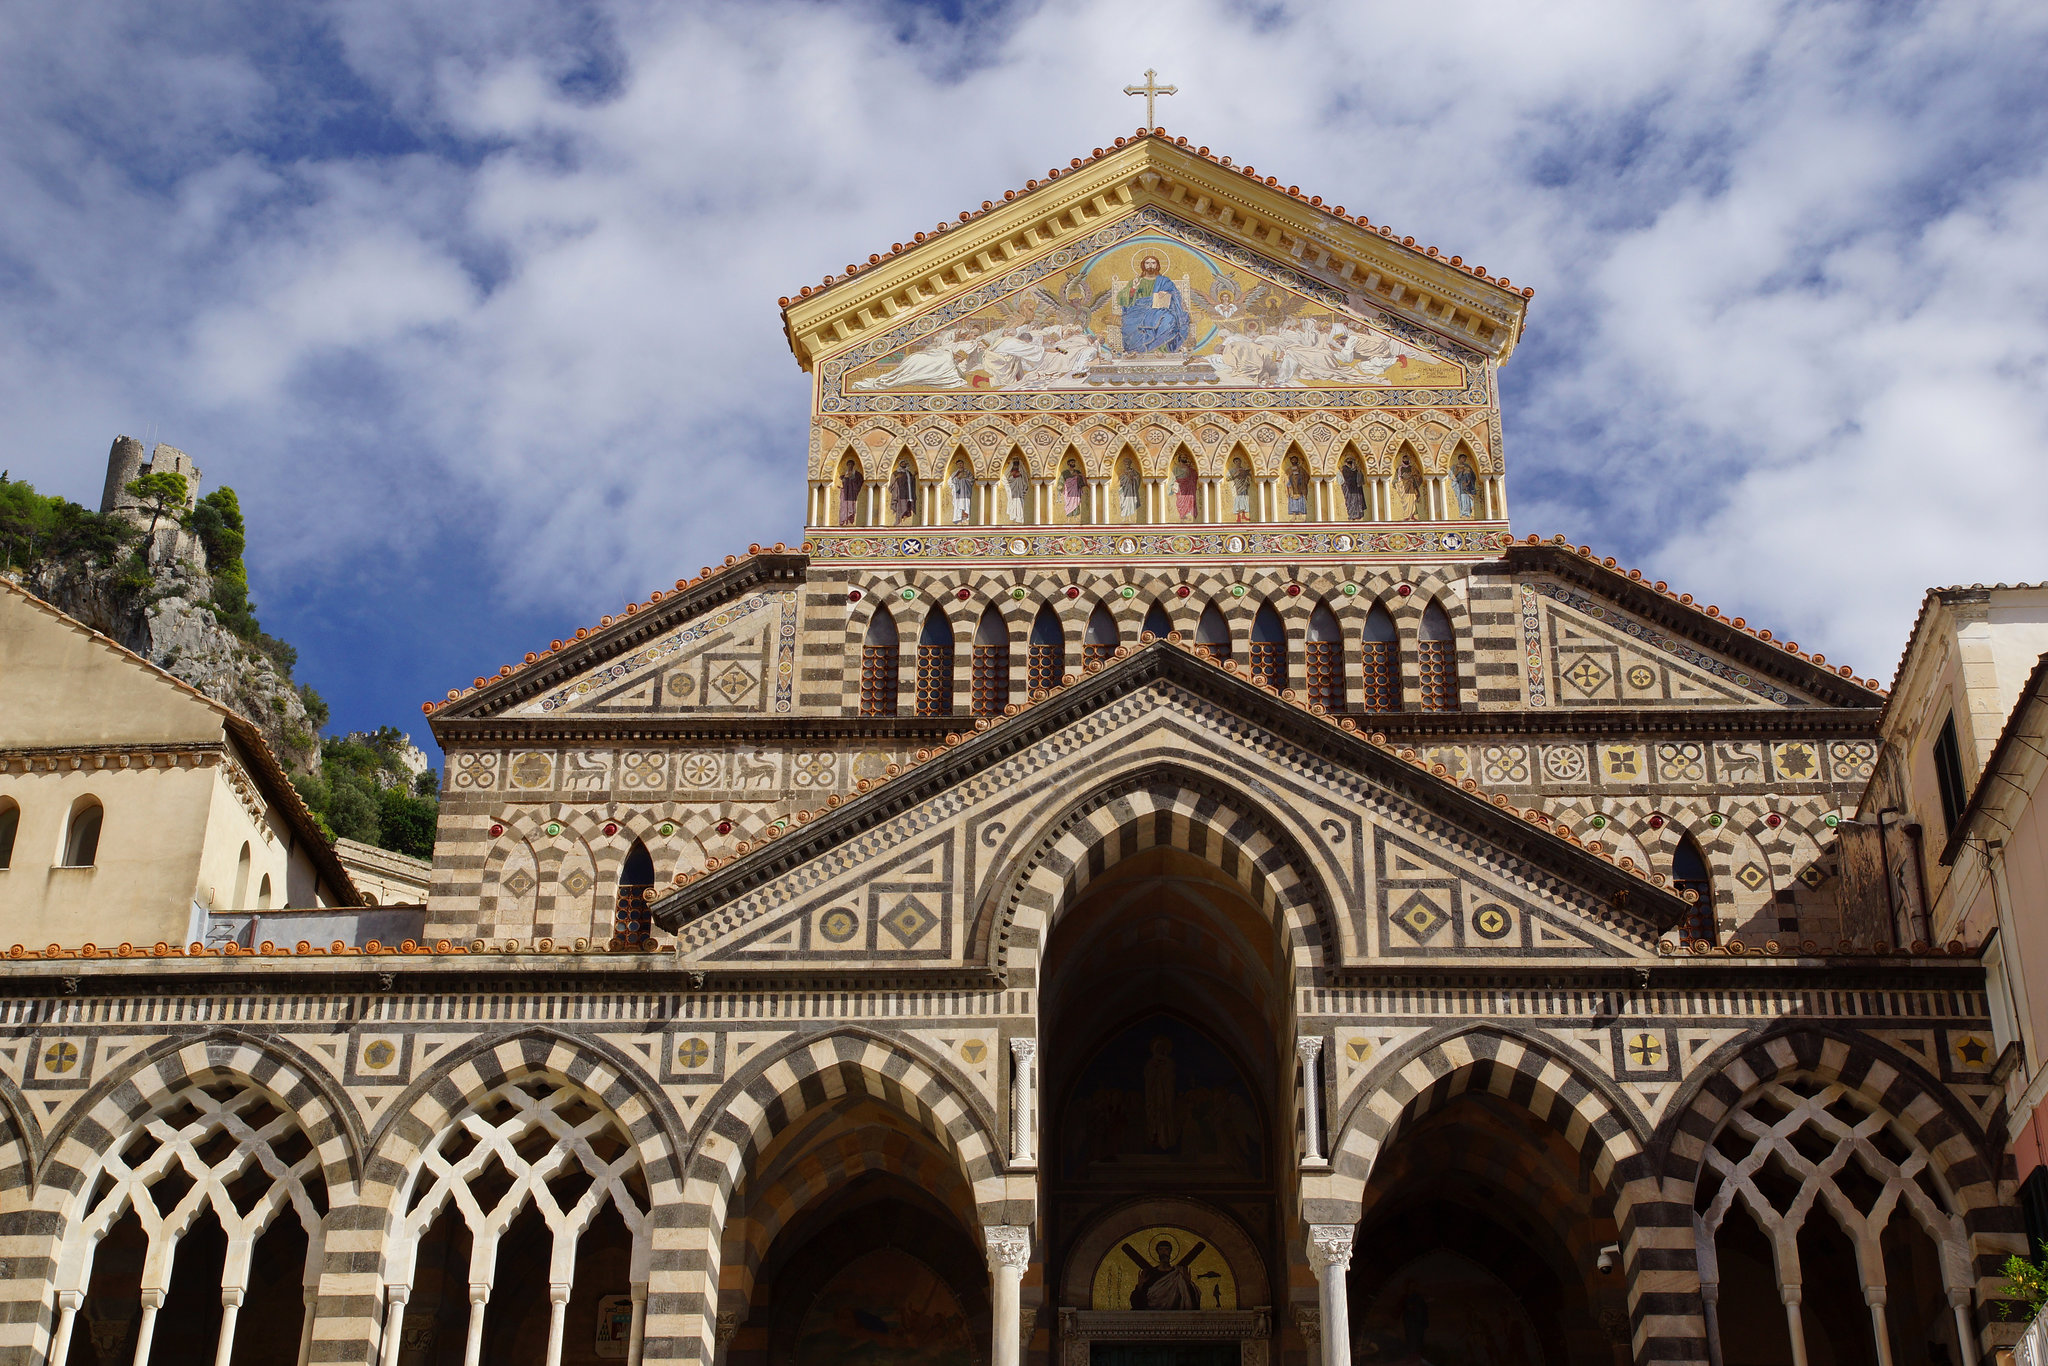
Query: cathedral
point(1155, 874)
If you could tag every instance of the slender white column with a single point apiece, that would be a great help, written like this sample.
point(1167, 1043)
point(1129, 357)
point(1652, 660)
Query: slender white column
point(230, 1310)
point(67, 1319)
point(558, 1309)
point(1959, 1301)
point(394, 1322)
point(1794, 1324)
point(638, 1335)
point(1309, 1048)
point(1710, 1296)
point(306, 1326)
point(1873, 1295)
point(1024, 1057)
point(1009, 1251)
point(152, 1300)
point(473, 1348)
point(1329, 1252)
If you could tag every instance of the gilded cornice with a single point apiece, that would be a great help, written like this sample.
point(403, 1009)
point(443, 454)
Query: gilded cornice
point(1429, 291)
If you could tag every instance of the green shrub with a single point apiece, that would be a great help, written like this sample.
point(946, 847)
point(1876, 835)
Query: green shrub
point(2026, 1287)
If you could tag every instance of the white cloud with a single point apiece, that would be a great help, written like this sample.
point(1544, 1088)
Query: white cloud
point(455, 267)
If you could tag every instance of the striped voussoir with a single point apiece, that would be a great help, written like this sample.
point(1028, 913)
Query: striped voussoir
point(773, 1092)
point(37, 1231)
point(351, 1298)
point(1968, 1162)
point(1167, 807)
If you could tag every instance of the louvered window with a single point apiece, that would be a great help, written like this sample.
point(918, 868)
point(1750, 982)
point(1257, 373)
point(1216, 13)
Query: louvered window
point(1380, 664)
point(879, 663)
point(1269, 647)
point(1323, 658)
point(935, 666)
point(1437, 661)
point(1047, 661)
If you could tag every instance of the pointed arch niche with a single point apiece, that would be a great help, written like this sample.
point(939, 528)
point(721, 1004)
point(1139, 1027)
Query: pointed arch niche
point(1047, 662)
point(935, 664)
point(1323, 659)
point(1099, 642)
point(1269, 647)
point(880, 665)
point(1126, 493)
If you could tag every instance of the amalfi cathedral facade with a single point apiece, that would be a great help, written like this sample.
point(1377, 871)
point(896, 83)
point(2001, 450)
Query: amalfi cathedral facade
point(1154, 874)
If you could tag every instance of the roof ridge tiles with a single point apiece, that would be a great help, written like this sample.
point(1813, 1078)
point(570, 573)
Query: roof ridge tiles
point(1141, 134)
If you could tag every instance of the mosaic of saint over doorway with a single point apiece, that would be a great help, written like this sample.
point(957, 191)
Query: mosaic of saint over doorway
point(1154, 310)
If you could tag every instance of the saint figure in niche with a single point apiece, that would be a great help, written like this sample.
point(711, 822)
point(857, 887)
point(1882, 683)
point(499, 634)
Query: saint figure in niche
point(849, 495)
point(963, 495)
point(1161, 1120)
point(1070, 489)
point(1019, 488)
point(1154, 315)
point(1166, 1283)
point(1127, 492)
point(1184, 486)
point(902, 495)
point(1467, 481)
point(1354, 491)
point(1404, 495)
point(1297, 488)
point(1241, 488)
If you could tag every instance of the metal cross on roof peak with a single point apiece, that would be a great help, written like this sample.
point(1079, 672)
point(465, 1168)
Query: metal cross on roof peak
point(1151, 91)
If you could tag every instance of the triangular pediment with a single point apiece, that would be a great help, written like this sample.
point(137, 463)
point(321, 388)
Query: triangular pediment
point(1404, 863)
point(1065, 216)
point(1152, 301)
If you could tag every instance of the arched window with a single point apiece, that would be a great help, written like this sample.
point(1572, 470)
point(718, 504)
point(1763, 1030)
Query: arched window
point(1380, 656)
point(1437, 653)
point(631, 921)
point(263, 894)
point(10, 822)
point(1324, 658)
point(935, 665)
point(1269, 647)
point(878, 666)
point(1689, 874)
point(82, 834)
point(241, 901)
point(1158, 624)
point(1048, 658)
point(1098, 644)
point(1212, 634)
point(991, 663)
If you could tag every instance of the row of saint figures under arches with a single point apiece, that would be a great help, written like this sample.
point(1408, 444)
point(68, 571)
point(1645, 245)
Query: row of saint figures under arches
point(1321, 673)
point(1128, 498)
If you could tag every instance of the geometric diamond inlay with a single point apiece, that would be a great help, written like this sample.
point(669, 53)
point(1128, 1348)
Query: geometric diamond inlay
point(909, 922)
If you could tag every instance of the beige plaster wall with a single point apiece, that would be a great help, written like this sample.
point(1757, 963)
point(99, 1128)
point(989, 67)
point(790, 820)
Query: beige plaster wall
point(51, 664)
point(140, 887)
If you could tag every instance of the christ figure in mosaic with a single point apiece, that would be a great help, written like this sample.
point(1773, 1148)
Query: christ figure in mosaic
point(849, 495)
point(1018, 486)
point(1184, 486)
point(963, 495)
point(1241, 489)
point(1154, 315)
point(1354, 491)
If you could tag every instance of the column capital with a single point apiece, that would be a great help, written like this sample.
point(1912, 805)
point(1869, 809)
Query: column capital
point(479, 1292)
point(1308, 1047)
point(1009, 1246)
point(727, 1327)
point(1329, 1245)
point(231, 1296)
point(558, 1292)
point(1023, 1049)
point(70, 1299)
point(1308, 1321)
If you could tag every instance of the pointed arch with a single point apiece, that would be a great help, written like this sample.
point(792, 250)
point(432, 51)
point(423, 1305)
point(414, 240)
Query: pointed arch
point(1436, 656)
point(1101, 637)
point(630, 921)
point(1047, 661)
point(1269, 646)
point(880, 664)
point(935, 664)
point(1689, 874)
point(1323, 659)
point(991, 683)
point(1212, 633)
point(1158, 621)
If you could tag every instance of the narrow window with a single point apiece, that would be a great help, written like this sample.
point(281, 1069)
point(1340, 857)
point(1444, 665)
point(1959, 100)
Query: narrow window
point(82, 839)
point(1158, 625)
point(1689, 874)
point(1212, 634)
point(1381, 659)
point(263, 894)
point(1099, 643)
point(1948, 773)
point(10, 822)
point(1048, 658)
point(935, 666)
point(991, 664)
point(1438, 657)
point(1324, 657)
point(631, 922)
point(241, 901)
point(878, 666)
point(1269, 647)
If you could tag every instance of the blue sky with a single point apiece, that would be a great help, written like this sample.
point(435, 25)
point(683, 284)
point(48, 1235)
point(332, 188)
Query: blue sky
point(474, 303)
